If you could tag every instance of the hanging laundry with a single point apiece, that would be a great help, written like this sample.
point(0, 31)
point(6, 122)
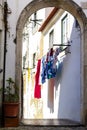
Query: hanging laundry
point(50, 64)
point(55, 58)
point(37, 90)
point(50, 71)
point(43, 73)
point(29, 74)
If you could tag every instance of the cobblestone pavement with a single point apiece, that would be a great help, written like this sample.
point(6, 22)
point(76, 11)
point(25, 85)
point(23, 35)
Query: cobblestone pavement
point(45, 128)
point(47, 125)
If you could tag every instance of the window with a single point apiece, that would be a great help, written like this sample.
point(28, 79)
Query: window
point(35, 17)
point(51, 38)
point(24, 62)
point(64, 25)
point(34, 23)
point(34, 59)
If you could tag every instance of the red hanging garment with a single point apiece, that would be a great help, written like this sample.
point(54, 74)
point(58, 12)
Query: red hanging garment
point(37, 90)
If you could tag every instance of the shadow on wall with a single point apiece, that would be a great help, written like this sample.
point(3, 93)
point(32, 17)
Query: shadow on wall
point(51, 94)
point(54, 82)
point(58, 76)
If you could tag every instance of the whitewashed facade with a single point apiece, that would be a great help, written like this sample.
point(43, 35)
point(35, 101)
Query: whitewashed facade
point(69, 78)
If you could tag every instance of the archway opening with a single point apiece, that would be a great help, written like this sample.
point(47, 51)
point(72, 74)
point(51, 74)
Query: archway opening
point(20, 26)
point(51, 66)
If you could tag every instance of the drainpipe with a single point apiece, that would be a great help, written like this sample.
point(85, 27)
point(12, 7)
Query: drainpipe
point(4, 60)
point(5, 40)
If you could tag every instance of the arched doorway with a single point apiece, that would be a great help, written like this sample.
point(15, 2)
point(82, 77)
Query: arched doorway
point(76, 11)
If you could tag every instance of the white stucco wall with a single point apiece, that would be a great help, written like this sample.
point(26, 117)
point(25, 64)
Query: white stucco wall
point(70, 84)
point(67, 90)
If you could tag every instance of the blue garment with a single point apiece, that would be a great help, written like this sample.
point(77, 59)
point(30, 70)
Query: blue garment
point(43, 73)
point(50, 71)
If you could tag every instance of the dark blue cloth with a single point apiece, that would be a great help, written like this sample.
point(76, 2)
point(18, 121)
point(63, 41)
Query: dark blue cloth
point(43, 73)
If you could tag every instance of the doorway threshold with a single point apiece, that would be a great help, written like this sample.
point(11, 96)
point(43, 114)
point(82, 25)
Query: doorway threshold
point(50, 122)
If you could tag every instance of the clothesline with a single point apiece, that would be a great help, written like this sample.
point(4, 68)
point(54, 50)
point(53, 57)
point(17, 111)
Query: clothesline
point(64, 44)
point(61, 45)
point(64, 49)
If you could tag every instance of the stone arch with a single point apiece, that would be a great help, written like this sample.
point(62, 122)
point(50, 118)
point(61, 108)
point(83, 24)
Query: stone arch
point(77, 12)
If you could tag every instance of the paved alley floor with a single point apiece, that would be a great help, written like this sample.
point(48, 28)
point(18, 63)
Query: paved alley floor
point(45, 128)
point(48, 124)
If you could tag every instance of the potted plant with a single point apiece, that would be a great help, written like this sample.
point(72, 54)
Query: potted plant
point(11, 98)
point(11, 103)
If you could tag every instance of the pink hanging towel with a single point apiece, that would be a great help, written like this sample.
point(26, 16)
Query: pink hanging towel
point(37, 90)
